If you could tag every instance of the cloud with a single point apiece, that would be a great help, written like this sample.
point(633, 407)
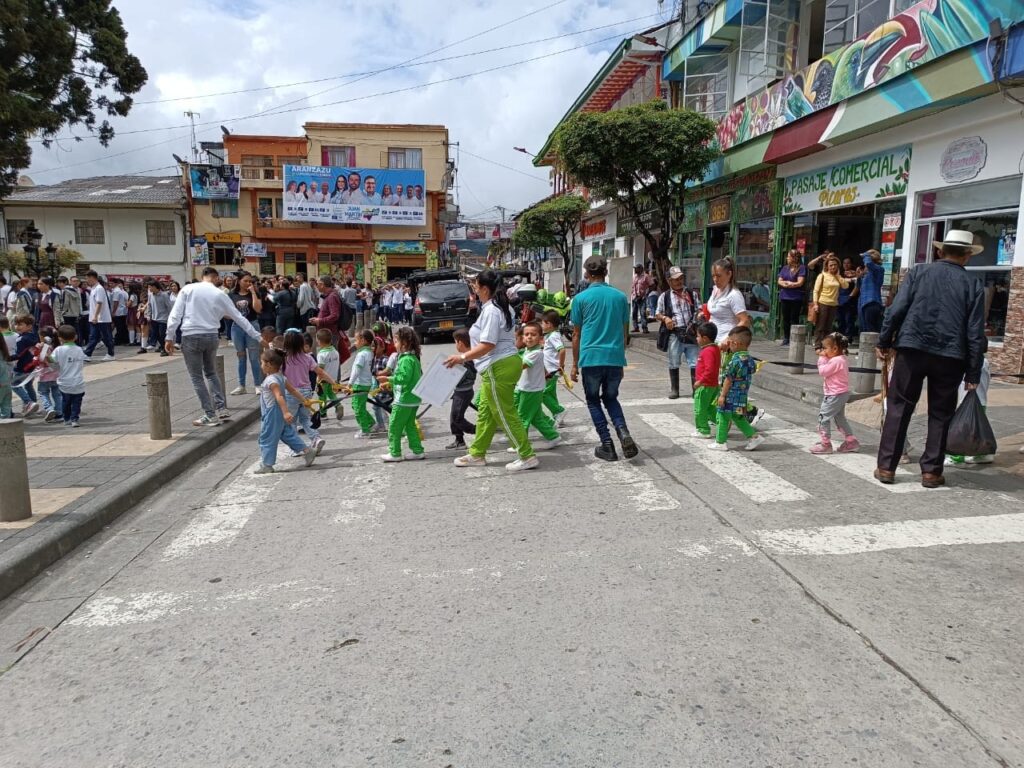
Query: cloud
point(195, 47)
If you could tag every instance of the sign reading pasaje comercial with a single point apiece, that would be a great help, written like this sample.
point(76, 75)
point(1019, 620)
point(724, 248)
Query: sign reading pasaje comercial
point(214, 182)
point(333, 195)
point(866, 179)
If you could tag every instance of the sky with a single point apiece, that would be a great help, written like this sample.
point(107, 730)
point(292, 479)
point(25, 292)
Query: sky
point(195, 48)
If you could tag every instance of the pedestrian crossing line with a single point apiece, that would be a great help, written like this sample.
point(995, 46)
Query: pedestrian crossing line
point(748, 477)
point(640, 488)
point(640, 403)
point(860, 465)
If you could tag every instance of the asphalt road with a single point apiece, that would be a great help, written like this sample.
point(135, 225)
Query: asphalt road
point(687, 608)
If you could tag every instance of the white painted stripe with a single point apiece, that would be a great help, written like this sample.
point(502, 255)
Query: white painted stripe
point(641, 403)
point(906, 534)
point(748, 477)
point(860, 465)
point(638, 486)
point(224, 517)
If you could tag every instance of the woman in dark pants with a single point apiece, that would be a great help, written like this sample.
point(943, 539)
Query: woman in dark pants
point(792, 278)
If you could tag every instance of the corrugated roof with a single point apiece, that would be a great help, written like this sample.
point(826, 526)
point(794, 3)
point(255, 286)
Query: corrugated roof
point(103, 191)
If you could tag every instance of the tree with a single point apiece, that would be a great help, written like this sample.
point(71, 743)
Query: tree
point(553, 223)
point(641, 157)
point(13, 262)
point(62, 62)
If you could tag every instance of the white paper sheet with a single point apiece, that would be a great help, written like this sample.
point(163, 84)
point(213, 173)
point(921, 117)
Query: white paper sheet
point(438, 383)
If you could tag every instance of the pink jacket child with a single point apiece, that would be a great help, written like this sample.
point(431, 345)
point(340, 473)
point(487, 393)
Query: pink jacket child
point(835, 373)
point(49, 392)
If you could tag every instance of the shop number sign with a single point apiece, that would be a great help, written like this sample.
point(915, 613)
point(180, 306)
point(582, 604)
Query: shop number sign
point(863, 180)
point(963, 159)
point(719, 210)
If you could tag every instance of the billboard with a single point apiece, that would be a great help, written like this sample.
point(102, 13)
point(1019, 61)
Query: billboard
point(214, 182)
point(334, 195)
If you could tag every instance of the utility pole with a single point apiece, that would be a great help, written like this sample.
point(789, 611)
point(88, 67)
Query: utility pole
point(502, 209)
point(195, 147)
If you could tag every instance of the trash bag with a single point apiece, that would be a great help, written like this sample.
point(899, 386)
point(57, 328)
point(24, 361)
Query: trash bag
point(970, 434)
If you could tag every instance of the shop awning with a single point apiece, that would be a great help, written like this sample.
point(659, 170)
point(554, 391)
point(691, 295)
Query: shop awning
point(715, 32)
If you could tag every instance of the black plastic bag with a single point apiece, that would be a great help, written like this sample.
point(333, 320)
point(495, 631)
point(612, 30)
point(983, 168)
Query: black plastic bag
point(970, 434)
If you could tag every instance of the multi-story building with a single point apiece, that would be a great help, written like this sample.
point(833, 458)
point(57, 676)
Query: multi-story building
point(128, 226)
point(286, 243)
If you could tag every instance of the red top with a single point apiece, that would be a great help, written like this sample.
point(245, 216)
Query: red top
point(708, 365)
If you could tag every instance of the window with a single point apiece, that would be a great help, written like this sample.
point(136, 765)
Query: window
point(258, 167)
point(332, 263)
point(89, 231)
point(846, 20)
point(222, 255)
point(339, 156)
point(16, 229)
point(224, 209)
point(294, 262)
point(159, 232)
point(405, 158)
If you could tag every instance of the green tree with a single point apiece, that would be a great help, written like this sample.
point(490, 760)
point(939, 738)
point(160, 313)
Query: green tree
point(641, 157)
point(13, 262)
point(62, 62)
point(553, 223)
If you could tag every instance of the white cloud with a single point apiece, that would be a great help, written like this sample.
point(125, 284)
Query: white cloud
point(195, 47)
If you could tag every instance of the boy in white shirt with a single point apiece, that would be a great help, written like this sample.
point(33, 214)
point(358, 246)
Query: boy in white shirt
point(554, 364)
point(530, 390)
point(69, 360)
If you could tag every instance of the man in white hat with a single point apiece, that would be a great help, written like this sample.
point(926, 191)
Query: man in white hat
point(936, 325)
point(678, 309)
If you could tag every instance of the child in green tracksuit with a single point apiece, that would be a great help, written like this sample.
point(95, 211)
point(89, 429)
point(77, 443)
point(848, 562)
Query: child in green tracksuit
point(705, 393)
point(732, 397)
point(530, 389)
point(403, 410)
point(554, 364)
point(360, 382)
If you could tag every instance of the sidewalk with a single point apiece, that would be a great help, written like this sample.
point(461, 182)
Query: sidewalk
point(81, 479)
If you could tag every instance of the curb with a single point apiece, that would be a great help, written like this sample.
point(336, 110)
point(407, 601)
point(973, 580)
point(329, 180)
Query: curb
point(57, 535)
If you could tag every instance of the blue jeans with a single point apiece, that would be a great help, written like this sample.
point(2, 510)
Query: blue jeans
point(274, 429)
point(676, 351)
point(200, 353)
point(247, 347)
point(27, 393)
point(601, 386)
point(870, 317)
point(638, 312)
point(100, 332)
point(157, 335)
point(72, 406)
point(303, 417)
point(49, 394)
point(652, 303)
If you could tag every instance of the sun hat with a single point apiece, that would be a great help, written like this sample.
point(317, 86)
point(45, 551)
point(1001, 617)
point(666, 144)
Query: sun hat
point(674, 272)
point(960, 238)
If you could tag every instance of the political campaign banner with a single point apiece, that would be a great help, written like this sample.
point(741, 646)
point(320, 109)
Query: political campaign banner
point(335, 195)
point(215, 182)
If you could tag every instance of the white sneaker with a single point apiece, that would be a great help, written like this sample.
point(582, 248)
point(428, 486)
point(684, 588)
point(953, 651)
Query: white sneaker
point(559, 419)
point(520, 465)
point(239, 390)
point(206, 421)
point(318, 445)
point(297, 454)
point(388, 458)
point(264, 470)
point(718, 447)
point(949, 461)
point(501, 437)
point(547, 445)
point(415, 456)
point(754, 443)
point(987, 458)
point(363, 435)
point(700, 435)
point(470, 461)
point(108, 358)
point(29, 410)
point(758, 415)
point(224, 414)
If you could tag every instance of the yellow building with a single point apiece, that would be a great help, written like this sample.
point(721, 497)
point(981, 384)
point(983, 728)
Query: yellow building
point(371, 252)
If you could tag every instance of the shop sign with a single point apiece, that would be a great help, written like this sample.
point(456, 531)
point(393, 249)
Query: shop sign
point(695, 216)
point(720, 210)
point(963, 159)
point(400, 247)
point(223, 237)
point(866, 179)
point(136, 278)
point(891, 222)
point(754, 203)
point(254, 250)
point(627, 226)
point(595, 228)
point(730, 185)
point(1007, 245)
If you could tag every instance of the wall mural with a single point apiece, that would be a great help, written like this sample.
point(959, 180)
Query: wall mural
point(924, 32)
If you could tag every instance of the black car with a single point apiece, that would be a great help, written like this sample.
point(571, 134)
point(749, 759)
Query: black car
point(441, 302)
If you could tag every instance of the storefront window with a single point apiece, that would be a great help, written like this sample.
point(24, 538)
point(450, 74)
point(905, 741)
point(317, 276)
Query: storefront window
point(294, 262)
point(333, 264)
point(968, 198)
point(754, 263)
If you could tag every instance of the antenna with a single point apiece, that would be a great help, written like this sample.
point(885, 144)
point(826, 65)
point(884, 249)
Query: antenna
point(195, 148)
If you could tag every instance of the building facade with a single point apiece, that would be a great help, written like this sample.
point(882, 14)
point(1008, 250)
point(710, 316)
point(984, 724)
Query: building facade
point(258, 228)
point(124, 226)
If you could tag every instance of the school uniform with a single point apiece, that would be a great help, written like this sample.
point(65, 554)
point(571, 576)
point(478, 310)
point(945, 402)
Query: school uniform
point(361, 381)
point(531, 395)
point(403, 411)
point(553, 346)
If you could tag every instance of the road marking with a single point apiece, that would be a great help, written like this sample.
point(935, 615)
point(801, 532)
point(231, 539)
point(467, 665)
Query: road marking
point(748, 477)
point(363, 504)
point(641, 403)
point(640, 488)
point(224, 517)
point(860, 465)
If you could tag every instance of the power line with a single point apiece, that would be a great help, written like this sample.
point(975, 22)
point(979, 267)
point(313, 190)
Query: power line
point(108, 157)
point(506, 167)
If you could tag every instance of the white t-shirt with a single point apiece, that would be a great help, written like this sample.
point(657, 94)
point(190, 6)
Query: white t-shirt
point(98, 298)
point(120, 295)
point(490, 328)
point(408, 301)
point(553, 345)
point(329, 359)
point(69, 360)
point(532, 377)
point(724, 307)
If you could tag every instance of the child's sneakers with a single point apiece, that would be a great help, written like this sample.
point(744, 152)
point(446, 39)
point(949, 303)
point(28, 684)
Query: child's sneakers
point(363, 435)
point(986, 458)
point(455, 445)
point(754, 443)
point(700, 435)
point(547, 445)
point(822, 448)
point(470, 461)
point(850, 445)
point(415, 456)
point(51, 417)
point(520, 465)
point(388, 458)
point(716, 446)
point(264, 470)
point(558, 418)
point(318, 445)
point(310, 456)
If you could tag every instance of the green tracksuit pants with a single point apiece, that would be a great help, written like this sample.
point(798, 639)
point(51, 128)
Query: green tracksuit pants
point(403, 422)
point(532, 415)
point(727, 418)
point(496, 409)
point(551, 395)
point(360, 393)
point(705, 408)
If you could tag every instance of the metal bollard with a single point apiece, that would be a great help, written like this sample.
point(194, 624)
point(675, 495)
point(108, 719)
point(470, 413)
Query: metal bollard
point(866, 383)
point(159, 406)
point(797, 348)
point(15, 500)
point(218, 366)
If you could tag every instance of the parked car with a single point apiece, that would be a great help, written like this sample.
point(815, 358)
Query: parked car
point(441, 303)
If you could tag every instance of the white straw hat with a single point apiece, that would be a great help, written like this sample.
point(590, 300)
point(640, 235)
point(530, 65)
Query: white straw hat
point(960, 238)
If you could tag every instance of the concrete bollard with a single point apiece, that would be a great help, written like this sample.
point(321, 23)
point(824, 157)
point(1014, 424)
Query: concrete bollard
point(159, 406)
point(368, 319)
point(360, 321)
point(797, 348)
point(15, 499)
point(218, 366)
point(866, 383)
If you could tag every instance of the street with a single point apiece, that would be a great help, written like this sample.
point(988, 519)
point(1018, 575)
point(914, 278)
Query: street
point(687, 608)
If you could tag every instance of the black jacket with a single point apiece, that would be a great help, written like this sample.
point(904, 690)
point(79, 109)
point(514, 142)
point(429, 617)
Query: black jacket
point(940, 308)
